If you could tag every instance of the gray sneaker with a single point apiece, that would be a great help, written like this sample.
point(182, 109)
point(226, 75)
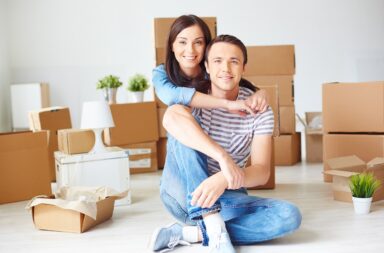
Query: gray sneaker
point(167, 238)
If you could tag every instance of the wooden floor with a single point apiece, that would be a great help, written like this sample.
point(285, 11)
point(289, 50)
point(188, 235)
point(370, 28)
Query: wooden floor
point(328, 225)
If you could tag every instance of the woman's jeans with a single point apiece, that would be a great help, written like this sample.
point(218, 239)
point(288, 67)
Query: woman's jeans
point(248, 219)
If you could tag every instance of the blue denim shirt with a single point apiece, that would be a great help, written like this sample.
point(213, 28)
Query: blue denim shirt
point(168, 92)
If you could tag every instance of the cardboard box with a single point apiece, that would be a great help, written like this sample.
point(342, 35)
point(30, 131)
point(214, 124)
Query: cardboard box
point(52, 119)
point(142, 157)
point(109, 169)
point(160, 115)
point(271, 183)
point(75, 141)
point(270, 60)
point(365, 146)
point(287, 119)
point(287, 149)
point(273, 95)
point(163, 25)
point(66, 214)
point(284, 83)
point(353, 107)
point(24, 167)
point(161, 152)
point(342, 168)
point(134, 123)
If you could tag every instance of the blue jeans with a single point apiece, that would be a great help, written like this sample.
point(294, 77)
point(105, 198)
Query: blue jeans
point(248, 219)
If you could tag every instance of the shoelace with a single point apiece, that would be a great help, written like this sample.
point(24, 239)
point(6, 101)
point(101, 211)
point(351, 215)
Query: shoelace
point(173, 242)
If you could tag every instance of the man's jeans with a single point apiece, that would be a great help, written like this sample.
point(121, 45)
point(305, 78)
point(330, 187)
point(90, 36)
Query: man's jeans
point(248, 219)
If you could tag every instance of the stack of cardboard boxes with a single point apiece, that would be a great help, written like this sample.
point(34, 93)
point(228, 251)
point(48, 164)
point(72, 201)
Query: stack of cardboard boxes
point(136, 130)
point(275, 65)
point(353, 121)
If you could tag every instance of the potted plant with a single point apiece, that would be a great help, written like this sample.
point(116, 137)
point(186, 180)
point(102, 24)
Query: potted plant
point(137, 84)
point(363, 186)
point(109, 85)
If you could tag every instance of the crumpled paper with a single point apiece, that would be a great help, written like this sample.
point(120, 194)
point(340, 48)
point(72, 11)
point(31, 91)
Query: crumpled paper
point(81, 199)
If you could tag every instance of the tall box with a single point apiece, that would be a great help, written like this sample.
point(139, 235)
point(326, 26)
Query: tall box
point(287, 149)
point(134, 123)
point(110, 169)
point(161, 152)
point(270, 60)
point(365, 146)
point(24, 168)
point(27, 97)
point(353, 107)
point(314, 137)
point(52, 119)
point(273, 94)
point(160, 115)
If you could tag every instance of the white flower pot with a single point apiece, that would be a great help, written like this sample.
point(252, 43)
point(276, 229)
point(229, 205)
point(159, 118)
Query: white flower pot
point(362, 205)
point(138, 96)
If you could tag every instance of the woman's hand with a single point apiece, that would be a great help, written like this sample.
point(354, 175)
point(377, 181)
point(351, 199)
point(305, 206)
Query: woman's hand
point(241, 107)
point(258, 102)
point(209, 191)
point(232, 173)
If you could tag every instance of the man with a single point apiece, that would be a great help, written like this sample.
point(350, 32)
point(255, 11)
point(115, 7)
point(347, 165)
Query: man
point(204, 178)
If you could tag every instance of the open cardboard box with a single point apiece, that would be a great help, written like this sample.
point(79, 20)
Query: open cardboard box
point(342, 168)
point(70, 210)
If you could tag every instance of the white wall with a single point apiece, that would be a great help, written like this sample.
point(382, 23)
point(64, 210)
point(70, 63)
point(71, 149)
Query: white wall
point(5, 120)
point(73, 43)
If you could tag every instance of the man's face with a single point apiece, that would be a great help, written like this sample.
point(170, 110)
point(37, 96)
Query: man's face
point(225, 66)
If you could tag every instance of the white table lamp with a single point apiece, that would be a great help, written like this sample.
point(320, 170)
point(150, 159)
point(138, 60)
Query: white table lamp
point(96, 115)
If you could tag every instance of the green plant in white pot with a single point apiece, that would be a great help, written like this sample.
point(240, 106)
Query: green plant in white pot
point(137, 84)
point(363, 186)
point(109, 84)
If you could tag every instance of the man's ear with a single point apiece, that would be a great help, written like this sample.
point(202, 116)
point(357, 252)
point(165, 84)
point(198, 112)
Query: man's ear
point(206, 66)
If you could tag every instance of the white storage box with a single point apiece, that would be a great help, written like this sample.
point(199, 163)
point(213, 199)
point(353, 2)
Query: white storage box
point(109, 169)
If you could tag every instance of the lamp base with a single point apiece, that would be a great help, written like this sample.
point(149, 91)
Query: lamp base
point(99, 145)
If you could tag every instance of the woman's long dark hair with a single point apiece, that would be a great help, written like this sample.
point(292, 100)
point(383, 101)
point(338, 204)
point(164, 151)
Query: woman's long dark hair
point(172, 67)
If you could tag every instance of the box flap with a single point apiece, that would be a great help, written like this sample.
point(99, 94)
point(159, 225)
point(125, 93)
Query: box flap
point(341, 173)
point(378, 161)
point(349, 163)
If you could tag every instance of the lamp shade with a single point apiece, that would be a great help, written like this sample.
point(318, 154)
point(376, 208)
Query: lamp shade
point(96, 114)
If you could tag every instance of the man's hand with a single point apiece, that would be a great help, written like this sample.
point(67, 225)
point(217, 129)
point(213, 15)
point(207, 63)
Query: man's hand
point(232, 173)
point(209, 191)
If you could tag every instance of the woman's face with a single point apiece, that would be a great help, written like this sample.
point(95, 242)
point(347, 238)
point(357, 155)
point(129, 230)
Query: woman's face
point(188, 48)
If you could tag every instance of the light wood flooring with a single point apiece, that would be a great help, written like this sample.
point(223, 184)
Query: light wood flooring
point(328, 225)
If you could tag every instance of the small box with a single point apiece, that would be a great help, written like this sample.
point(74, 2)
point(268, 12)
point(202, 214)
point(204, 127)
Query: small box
point(287, 119)
point(76, 141)
point(56, 214)
point(353, 107)
point(342, 168)
point(24, 167)
point(52, 119)
point(365, 146)
point(313, 136)
point(287, 149)
point(142, 157)
point(109, 169)
point(134, 123)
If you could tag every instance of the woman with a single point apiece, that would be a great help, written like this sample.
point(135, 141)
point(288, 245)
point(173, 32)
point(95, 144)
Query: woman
point(182, 79)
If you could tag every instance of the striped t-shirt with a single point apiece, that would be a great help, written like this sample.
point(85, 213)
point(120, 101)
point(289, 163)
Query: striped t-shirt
point(234, 132)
